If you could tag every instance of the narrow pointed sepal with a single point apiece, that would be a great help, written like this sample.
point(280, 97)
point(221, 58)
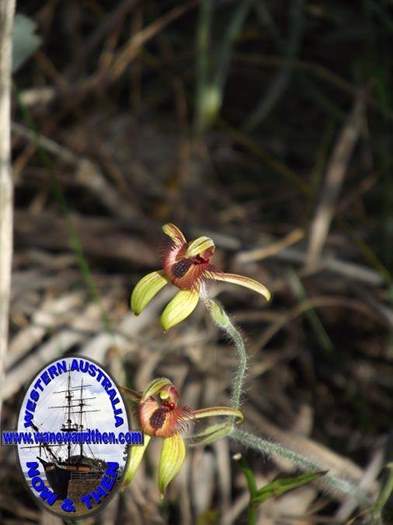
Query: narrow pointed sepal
point(134, 460)
point(132, 396)
point(179, 308)
point(174, 233)
point(145, 290)
point(241, 280)
point(172, 456)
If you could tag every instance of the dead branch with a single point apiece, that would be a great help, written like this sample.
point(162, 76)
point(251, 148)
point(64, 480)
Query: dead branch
point(7, 9)
point(335, 174)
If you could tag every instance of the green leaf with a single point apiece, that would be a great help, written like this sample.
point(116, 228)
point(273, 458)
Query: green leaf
point(276, 488)
point(24, 40)
point(280, 486)
point(250, 478)
point(384, 495)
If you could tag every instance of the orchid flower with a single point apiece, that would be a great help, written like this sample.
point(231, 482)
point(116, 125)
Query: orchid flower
point(187, 266)
point(161, 415)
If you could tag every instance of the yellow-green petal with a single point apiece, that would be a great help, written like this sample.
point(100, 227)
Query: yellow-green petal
point(241, 280)
point(174, 233)
point(155, 386)
point(145, 290)
point(134, 460)
point(180, 307)
point(218, 411)
point(172, 456)
point(199, 246)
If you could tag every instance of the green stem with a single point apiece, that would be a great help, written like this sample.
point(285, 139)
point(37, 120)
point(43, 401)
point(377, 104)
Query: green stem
point(251, 514)
point(222, 320)
point(331, 482)
point(240, 372)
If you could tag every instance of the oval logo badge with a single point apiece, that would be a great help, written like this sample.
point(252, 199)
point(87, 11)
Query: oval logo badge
point(76, 437)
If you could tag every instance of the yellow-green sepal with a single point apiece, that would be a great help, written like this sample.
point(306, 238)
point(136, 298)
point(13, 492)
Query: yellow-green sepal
point(134, 460)
point(155, 386)
point(200, 245)
point(179, 308)
point(145, 290)
point(172, 456)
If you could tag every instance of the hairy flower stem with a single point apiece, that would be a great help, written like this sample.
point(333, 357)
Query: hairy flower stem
point(331, 483)
point(222, 320)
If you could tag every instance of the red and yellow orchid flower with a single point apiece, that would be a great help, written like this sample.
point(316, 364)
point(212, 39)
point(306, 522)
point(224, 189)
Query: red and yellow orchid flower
point(186, 265)
point(161, 415)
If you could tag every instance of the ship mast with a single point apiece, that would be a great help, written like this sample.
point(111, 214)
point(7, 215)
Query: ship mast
point(41, 445)
point(68, 427)
point(81, 405)
point(71, 404)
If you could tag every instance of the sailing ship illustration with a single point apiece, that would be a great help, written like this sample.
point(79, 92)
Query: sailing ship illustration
point(77, 470)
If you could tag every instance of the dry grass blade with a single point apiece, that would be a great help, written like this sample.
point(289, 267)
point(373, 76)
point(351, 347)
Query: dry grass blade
point(347, 270)
point(119, 245)
point(335, 174)
point(51, 350)
point(272, 249)
point(7, 8)
point(371, 473)
point(130, 50)
point(45, 319)
point(106, 27)
point(314, 302)
point(88, 174)
point(333, 461)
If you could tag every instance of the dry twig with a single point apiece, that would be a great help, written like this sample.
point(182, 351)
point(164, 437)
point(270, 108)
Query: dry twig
point(7, 8)
point(335, 174)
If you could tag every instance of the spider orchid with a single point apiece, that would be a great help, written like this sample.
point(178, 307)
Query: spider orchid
point(187, 266)
point(161, 415)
